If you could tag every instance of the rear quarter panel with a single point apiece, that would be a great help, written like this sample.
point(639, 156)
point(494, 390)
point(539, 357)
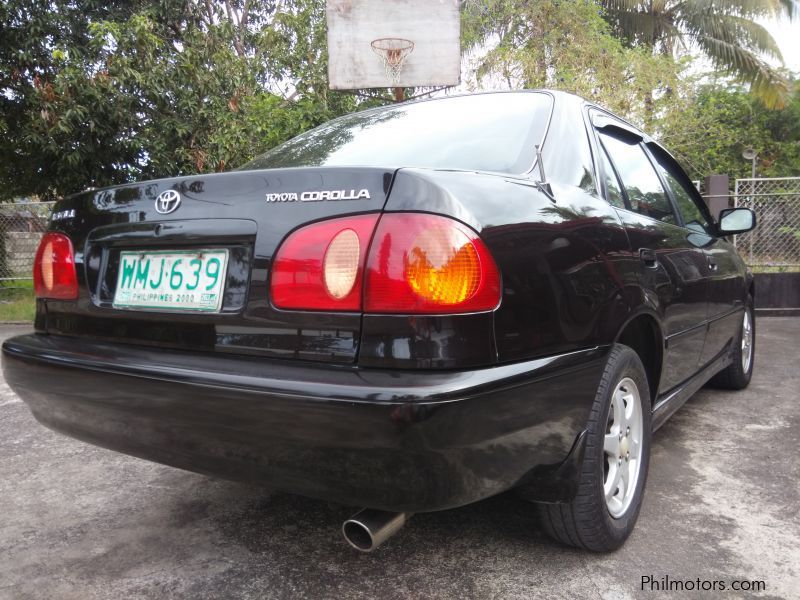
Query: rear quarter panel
point(568, 273)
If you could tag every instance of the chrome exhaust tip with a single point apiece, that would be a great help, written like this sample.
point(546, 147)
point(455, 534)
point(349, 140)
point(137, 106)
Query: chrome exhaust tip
point(369, 528)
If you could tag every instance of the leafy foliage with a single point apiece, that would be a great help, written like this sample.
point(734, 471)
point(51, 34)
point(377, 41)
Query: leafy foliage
point(100, 94)
point(725, 31)
point(709, 131)
point(568, 46)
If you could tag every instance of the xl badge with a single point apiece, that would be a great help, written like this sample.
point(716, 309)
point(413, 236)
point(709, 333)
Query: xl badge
point(168, 202)
point(317, 195)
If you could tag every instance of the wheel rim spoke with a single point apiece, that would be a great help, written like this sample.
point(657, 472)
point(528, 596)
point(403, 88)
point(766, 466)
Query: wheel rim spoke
point(619, 410)
point(629, 408)
point(634, 447)
point(614, 474)
point(624, 479)
point(611, 445)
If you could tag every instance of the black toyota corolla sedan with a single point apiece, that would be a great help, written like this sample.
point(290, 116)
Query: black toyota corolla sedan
point(406, 309)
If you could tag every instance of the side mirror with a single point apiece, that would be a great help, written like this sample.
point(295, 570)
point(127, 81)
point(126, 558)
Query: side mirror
point(736, 220)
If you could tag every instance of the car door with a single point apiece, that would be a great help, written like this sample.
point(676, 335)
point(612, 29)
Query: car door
point(673, 269)
point(726, 275)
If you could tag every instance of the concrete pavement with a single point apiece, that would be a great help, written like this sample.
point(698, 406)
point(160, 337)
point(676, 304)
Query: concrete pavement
point(721, 505)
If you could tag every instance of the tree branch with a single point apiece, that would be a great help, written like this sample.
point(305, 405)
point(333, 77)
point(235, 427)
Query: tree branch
point(229, 11)
point(245, 15)
point(433, 91)
point(237, 42)
point(209, 13)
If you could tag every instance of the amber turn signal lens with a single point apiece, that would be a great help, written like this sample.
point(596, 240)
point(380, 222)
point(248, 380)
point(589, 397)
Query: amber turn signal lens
point(429, 264)
point(443, 266)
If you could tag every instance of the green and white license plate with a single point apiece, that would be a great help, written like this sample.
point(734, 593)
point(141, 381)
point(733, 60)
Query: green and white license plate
point(190, 280)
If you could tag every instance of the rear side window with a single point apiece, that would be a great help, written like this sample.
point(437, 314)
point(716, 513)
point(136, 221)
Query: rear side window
point(645, 193)
point(486, 132)
point(613, 191)
point(685, 198)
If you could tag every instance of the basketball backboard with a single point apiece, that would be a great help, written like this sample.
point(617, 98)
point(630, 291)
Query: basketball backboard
point(393, 43)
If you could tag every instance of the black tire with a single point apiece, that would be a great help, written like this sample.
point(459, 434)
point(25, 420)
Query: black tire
point(735, 376)
point(586, 522)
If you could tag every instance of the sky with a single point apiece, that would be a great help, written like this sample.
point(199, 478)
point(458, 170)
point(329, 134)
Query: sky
point(787, 35)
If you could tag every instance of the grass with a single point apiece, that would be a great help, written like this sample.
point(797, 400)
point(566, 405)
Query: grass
point(771, 269)
point(17, 302)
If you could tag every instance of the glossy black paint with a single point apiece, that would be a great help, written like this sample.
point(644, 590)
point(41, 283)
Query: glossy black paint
point(427, 342)
point(389, 439)
point(227, 210)
point(563, 264)
point(396, 412)
point(678, 286)
point(692, 282)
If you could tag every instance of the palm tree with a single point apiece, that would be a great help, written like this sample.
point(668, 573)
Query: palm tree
point(725, 31)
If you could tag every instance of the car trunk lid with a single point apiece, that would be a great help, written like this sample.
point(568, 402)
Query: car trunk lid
point(242, 214)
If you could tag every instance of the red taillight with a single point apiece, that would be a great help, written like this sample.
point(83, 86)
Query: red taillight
point(320, 266)
point(54, 273)
point(429, 264)
point(416, 263)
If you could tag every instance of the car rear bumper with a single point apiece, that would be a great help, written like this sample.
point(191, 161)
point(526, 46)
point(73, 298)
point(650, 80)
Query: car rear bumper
point(395, 440)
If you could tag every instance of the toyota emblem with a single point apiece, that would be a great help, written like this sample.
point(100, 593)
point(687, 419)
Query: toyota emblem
point(168, 202)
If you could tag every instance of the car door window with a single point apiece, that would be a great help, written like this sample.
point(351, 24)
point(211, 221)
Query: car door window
point(613, 192)
point(685, 199)
point(646, 195)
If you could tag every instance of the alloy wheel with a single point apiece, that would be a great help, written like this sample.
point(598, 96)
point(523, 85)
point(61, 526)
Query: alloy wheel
point(747, 340)
point(622, 446)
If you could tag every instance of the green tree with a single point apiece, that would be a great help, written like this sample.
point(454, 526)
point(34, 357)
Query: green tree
point(711, 129)
point(96, 94)
point(32, 33)
point(568, 46)
point(725, 31)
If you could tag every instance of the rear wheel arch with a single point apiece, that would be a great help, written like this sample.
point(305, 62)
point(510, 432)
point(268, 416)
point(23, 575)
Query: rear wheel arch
point(642, 333)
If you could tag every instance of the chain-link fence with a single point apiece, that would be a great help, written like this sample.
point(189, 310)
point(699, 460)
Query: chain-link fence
point(776, 240)
point(21, 227)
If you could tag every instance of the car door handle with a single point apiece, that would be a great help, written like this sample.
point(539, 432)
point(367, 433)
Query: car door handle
point(649, 257)
point(712, 264)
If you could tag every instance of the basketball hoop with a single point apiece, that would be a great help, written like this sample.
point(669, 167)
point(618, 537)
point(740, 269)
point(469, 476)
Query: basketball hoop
point(357, 28)
point(393, 53)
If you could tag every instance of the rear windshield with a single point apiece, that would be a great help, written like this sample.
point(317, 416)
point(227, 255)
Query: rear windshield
point(486, 132)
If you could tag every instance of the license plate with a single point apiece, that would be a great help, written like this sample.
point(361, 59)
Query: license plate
point(190, 280)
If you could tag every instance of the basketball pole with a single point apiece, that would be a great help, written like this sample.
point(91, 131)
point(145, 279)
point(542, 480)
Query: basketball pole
point(399, 94)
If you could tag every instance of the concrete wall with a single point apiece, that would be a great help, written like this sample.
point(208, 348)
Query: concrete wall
point(777, 293)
